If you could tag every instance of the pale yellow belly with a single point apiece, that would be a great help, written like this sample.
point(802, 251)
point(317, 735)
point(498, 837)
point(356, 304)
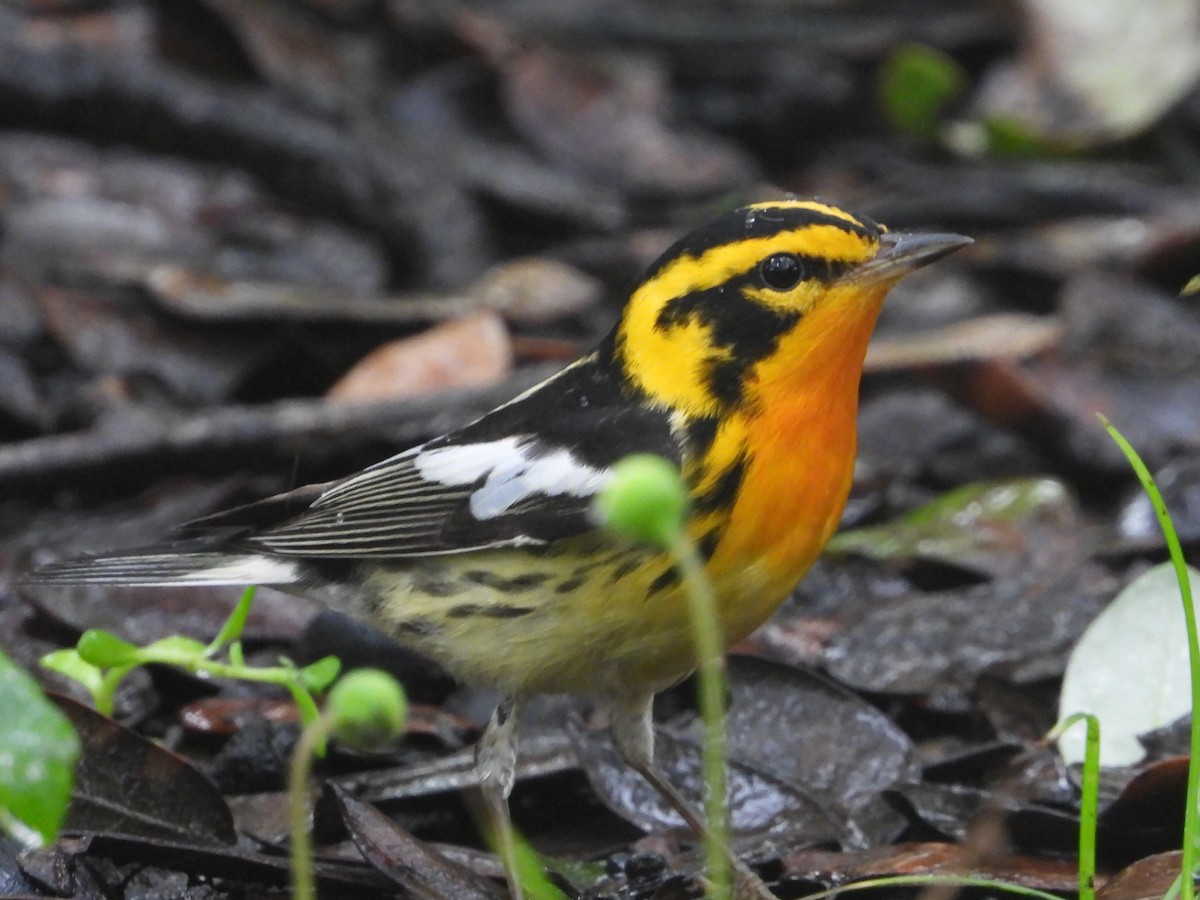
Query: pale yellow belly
point(592, 616)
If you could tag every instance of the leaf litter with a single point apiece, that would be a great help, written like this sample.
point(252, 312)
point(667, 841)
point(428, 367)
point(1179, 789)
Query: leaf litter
point(211, 213)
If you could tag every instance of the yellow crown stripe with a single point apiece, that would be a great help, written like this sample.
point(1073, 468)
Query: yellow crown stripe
point(812, 206)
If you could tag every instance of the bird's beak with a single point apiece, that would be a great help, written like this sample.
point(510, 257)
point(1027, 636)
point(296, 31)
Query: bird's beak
point(901, 252)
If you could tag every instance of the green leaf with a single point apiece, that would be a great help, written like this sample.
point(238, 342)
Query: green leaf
point(1130, 668)
point(68, 662)
point(38, 751)
point(964, 526)
point(236, 623)
point(916, 85)
point(319, 675)
point(1010, 138)
point(104, 650)
point(172, 648)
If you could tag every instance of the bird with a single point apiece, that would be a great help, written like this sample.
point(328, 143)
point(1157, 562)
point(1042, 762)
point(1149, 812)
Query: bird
point(737, 358)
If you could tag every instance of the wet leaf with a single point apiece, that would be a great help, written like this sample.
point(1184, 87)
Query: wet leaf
point(1020, 627)
point(1179, 483)
point(980, 527)
point(1146, 879)
point(210, 860)
point(762, 808)
point(922, 433)
point(800, 727)
point(407, 861)
point(128, 785)
point(1130, 668)
point(931, 859)
point(1151, 803)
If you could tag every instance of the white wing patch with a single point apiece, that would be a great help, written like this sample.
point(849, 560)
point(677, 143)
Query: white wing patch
point(514, 472)
point(244, 570)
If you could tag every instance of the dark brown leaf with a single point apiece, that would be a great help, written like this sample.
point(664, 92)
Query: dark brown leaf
point(405, 860)
point(128, 785)
point(1146, 879)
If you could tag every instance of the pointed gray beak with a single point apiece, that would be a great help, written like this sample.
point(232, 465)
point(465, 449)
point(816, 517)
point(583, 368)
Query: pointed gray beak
point(902, 252)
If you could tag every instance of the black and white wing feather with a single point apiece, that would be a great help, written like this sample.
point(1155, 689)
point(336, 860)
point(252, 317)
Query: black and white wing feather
point(525, 474)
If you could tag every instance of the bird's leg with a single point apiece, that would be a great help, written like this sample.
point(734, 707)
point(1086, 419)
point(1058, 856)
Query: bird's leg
point(496, 766)
point(631, 724)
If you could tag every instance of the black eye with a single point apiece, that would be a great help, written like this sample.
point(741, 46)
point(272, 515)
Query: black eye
point(781, 272)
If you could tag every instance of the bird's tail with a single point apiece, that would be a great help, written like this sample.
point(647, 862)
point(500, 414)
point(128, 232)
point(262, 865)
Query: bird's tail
point(159, 566)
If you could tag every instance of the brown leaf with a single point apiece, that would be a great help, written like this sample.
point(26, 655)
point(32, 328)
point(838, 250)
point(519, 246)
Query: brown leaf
point(1146, 879)
point(407, 861)
point(128, 785)
point(1003, 335)
point(473, 351)
point(930, 859)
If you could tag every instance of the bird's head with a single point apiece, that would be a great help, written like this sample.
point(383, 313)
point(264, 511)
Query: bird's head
point(792, 277)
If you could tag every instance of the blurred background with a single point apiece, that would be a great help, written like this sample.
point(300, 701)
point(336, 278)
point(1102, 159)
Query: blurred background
point(247, 244)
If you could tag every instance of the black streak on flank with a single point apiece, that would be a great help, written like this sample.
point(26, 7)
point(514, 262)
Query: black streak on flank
point(418, 627)
point(708, 542)
point(625, 568)
point(663, 581)
point(525, 582)
point(725, 489)
point(473, 610)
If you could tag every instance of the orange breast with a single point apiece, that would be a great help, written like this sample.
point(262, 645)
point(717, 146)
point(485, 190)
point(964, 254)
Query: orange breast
point(800, 441)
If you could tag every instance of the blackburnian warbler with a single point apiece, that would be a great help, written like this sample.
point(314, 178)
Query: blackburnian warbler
point(738, 358)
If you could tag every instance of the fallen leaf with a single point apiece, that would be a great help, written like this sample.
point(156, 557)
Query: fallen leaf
point(474, 351)
point(1097, 70)
point(128, 785)
point(1003, 335)
point(407, 861)
point(1130, 669)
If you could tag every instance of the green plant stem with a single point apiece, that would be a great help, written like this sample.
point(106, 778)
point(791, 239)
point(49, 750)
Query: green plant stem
point(1191, 818)
point(1089, 800)
point(959, 881)
point(105, 696)
point(232, 630)
point(299, 772)
point(710, 652)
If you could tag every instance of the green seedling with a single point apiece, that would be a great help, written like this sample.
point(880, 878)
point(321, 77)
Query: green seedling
point(101, 660)
point(366, 709)
point(646, 501)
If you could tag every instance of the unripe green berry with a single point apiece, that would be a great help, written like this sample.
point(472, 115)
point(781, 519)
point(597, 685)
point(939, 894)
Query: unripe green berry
point(367, 708)
point(644, 500)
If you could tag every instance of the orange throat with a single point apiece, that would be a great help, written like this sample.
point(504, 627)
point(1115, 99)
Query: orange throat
point(800, 437)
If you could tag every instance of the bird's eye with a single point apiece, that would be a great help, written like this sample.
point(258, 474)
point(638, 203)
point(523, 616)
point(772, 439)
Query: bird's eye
point(781, 272)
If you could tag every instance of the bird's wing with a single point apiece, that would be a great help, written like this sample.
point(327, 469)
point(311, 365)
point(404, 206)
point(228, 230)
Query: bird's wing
point(525, 474)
